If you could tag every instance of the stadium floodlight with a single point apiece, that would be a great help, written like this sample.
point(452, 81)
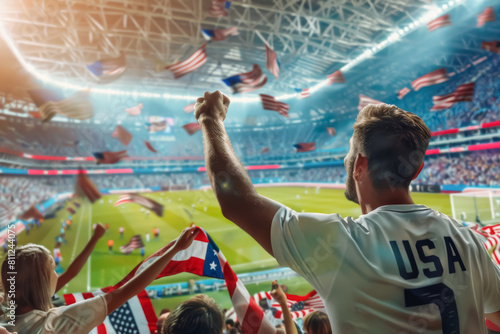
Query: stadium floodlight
point(479, 206)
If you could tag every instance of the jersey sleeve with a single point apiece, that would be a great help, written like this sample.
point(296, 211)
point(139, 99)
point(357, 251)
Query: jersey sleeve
point(491, 284)
point(77, 318)
point(313, 245)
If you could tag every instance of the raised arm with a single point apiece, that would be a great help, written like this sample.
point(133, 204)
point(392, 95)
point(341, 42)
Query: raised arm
point(238, 199)
point(77, 265)
point(278, 295)
point(118, 297)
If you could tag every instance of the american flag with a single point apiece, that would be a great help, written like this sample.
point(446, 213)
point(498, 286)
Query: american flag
point(365, 100)
point(135, 111)
point(218, 34)
point(336, 77)
point(440, 22)
point(134, 243)
point(146, 202)
point(403, 92)
point(137, 315)
point(463, 93)
point(491, 46)
point(122, 135)
point(432, 78)
point(272, 63)
point(108, 69)
point(85, 188)
point(303, 93)
point(194, 62)
point(331, 131)
point(192, 128)
point(219, 8)
point(305, 147)
point(109, 157)
point(299, 306)
point(248, 81)
point(204, 258)
point(189, 108)
point(150, 147)
point(270, 103)
point(487, 15)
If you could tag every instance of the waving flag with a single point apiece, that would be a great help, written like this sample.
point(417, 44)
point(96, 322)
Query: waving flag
point(432, 78)
point(122, 135)
point(487, 15)
point(305, 147)
point(108, 69)
point(50, 104)
point(109, 157)
point(272, 63)
point(192, 128)
point(440, 22)
point(156, 126)
point(365, 100)
point(299, 306)
point(31, 213)
point(491, 46)
point(189, 108)
point(85, 188)
point(194, 62)
point(204, 258)
point(463, 93)
point(331, 131)
point(335, 77)
point(135, 111)
point(303, 93)
point(246, 82)
point(134, 243)
point(71, 210)
point(270, 103)
point(216, 35)
point(146, 202)
point(219, 8)
point(150, 147)
point(137, 315)
point(402, 93)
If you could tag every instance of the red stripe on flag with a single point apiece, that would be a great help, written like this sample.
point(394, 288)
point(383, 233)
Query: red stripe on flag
point(149, 310)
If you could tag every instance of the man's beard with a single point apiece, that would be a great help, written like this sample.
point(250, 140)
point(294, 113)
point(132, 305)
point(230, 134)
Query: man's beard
point(350, 189)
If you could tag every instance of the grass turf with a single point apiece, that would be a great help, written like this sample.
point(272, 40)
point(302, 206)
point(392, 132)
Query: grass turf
point(182, 208)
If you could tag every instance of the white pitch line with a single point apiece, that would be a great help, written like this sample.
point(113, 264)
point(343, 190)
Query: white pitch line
point(89, 260)
point(73, 254)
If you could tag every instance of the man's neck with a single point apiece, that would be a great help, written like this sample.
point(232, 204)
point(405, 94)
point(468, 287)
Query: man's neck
point(399, 196)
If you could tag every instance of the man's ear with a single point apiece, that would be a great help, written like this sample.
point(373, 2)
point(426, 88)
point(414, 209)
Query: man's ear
point(360, 167)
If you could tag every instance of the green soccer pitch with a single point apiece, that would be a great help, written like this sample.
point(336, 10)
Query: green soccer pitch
point(182, 208)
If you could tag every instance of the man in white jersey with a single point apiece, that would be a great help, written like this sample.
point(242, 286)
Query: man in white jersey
point(398, 268)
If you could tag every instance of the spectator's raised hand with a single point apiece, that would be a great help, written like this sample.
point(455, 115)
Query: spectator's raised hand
point(277, 293)
point(212, 106)
point(185, 239)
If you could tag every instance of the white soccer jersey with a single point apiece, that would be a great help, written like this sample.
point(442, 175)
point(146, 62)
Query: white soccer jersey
point(399, 269)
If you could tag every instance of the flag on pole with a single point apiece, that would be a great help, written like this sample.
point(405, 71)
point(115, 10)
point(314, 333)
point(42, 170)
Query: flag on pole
point(109, 157)
point(463, 93)
point(272, 63)
point(335, 77)
point(305, 147)
point(85, 188)
point(189, 108)
point(487, 15)
point(440, 22)
point(192, 128)
point(270, 103)
point(135, 111)
point(303, 93)
point(194, 62)
point(109, 69)
point(432, 78)
point(331, 131)
point(365, 100)
point(299, 306)
point(246, 82)
point(122, 135)
point(146, 202)
point(137, 315)
point(219, 8)
point(134, 243)
point(402, 93)
point(150, 147)
point(204, 258)
point(491, 46)
point(216, 35)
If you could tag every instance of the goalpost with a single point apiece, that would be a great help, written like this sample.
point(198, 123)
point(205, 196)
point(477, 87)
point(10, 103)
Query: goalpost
point(479, 206)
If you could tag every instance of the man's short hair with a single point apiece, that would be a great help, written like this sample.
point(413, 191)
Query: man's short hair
point(199, 314)
point(394, 142)
point(230, 322)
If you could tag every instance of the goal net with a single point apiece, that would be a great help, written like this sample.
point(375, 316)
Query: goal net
point(481, 206)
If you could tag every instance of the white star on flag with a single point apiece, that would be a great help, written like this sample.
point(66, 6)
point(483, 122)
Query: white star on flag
point(213, 265)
